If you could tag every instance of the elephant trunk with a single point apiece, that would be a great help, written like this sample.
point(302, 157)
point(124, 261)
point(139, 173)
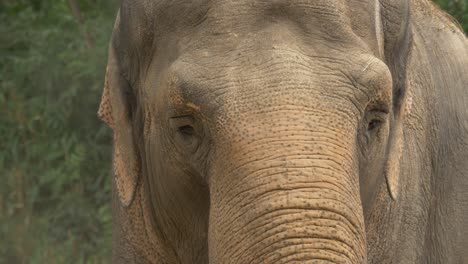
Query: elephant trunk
point(293, 197)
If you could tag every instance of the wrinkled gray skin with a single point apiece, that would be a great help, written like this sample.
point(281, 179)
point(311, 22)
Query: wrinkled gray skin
point(288, 131)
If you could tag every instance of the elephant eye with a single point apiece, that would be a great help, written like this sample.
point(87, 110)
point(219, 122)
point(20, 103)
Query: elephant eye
point(185, 132)
point(374, 120)
point(374, 124)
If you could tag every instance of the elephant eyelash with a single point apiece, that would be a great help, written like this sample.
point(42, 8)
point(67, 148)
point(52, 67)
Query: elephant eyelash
point(186, 130)
point(378, 107)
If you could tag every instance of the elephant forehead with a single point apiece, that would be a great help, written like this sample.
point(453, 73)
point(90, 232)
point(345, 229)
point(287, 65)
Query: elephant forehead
point(289, 9)
point(162, 31)
point(263, 83)
point(243, 54)
point(312, 19)
point(178, 17)
point(274, 66)
point(259, 32)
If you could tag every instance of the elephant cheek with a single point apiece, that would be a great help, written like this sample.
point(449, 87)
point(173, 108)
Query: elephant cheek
point(297, 207)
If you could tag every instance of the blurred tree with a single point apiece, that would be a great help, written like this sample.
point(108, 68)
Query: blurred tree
point(55, 153)
point(75, 9)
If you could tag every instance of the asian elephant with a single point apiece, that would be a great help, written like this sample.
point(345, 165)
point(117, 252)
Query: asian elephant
point(288, 131)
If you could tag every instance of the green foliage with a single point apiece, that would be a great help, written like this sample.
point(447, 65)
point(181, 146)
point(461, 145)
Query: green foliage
point(458, 9)
point(54, 152)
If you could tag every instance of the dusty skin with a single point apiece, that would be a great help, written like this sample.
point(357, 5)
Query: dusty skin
point(288, 131)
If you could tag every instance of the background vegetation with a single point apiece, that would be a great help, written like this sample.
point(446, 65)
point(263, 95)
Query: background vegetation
point(54, 152)
point(458, 9)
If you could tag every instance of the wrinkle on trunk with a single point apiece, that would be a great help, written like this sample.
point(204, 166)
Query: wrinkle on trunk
point(300, 205)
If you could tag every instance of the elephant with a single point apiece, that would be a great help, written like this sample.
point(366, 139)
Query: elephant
point(288, 131)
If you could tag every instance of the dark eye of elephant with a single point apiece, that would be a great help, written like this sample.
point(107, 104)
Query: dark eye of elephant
point(186, 132)
point(374, 124)
point(374, 120)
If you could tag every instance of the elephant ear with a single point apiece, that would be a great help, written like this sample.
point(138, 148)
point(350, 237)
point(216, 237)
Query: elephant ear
point(115, 111)
point(396, 32)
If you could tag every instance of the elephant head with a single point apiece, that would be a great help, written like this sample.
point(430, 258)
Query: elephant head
point(256, 131)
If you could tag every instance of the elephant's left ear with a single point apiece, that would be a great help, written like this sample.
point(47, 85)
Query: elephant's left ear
point(105, 108)
point(397, 39)
point(116, 111)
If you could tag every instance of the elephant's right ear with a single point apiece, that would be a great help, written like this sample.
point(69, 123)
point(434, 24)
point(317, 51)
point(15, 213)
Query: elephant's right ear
point(396, 29)
point(115, 111)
